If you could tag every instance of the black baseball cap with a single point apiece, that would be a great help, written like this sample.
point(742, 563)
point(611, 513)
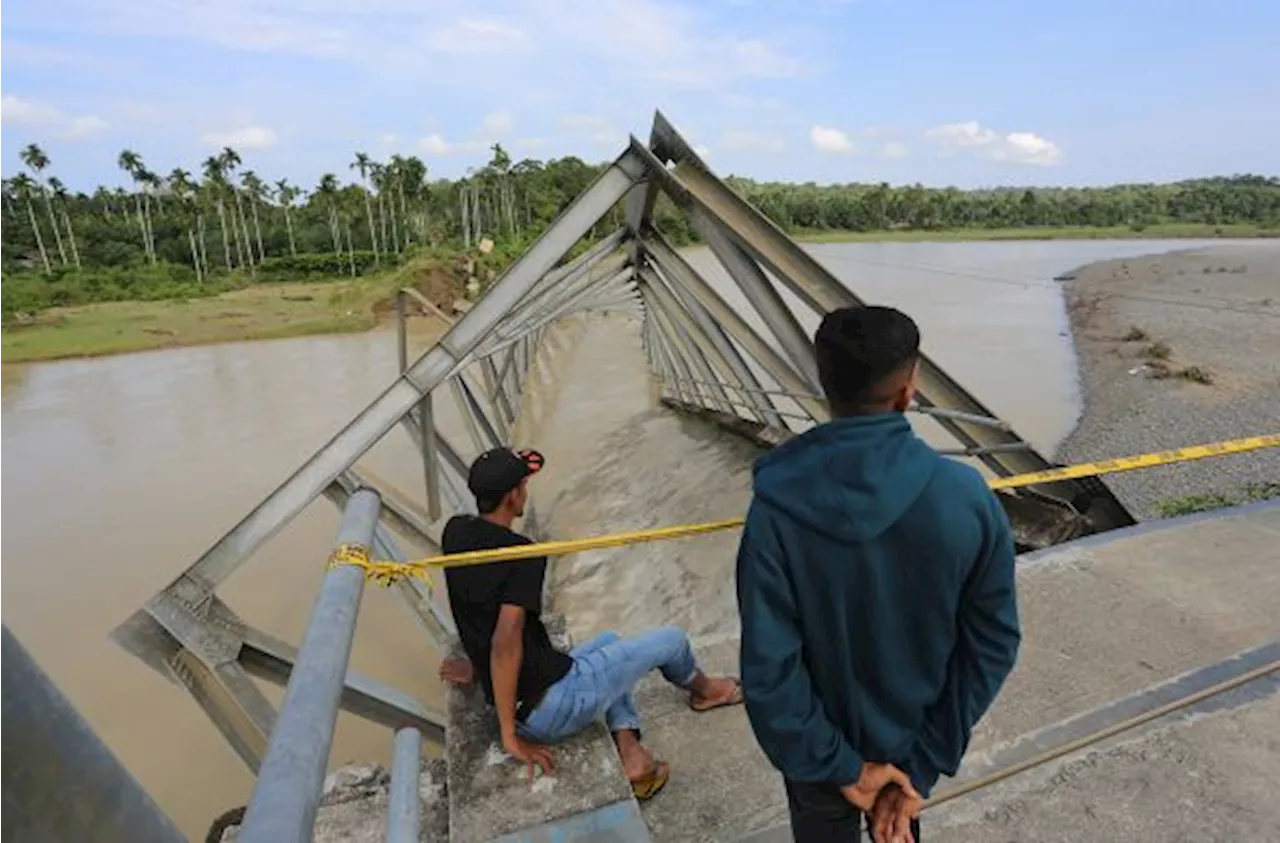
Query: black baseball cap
point(499, 471)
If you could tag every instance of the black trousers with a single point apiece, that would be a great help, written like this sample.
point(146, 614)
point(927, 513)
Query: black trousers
point(820, 813)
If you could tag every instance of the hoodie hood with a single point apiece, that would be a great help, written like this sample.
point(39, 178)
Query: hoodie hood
point(850, 478)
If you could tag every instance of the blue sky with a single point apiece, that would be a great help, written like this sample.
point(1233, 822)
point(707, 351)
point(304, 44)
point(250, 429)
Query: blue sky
point(966, 93)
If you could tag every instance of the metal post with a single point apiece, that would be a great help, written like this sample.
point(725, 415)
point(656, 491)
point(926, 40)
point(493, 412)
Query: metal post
point(60, 780)
point(426, 416)
point(430, 454)
point(287, 794)
point(674, 266)
point(488, 430)
point(719, 349)
point(404, 818)
point(402, 333)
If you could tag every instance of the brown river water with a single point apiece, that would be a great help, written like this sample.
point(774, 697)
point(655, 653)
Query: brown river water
point(118, 472)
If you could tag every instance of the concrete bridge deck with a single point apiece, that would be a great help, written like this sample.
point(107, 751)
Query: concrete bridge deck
point(1111, 624)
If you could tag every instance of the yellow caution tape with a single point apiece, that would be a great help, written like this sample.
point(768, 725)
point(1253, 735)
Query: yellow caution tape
point(1092, 469)
point(386, 572)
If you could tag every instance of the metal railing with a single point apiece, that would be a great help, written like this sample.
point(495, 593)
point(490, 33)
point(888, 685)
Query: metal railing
point(287, 794)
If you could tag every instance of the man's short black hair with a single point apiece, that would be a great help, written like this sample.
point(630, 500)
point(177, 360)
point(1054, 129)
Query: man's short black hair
point(489, 502)
point(858, 349)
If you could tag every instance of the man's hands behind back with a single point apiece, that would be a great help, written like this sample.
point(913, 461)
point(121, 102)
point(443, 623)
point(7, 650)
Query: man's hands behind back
point(892, 815)
point(874, 778)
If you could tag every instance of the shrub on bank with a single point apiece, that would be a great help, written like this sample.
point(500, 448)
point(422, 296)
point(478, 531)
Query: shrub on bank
point(30, 291)
point(315, 266)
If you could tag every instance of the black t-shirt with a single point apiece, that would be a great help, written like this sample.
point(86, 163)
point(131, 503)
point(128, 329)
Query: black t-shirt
point(477, 593)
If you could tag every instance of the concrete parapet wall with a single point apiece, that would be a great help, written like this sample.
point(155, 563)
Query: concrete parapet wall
point(490, 794)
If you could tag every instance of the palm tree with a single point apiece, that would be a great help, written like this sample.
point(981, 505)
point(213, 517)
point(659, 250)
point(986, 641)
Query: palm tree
point(183, 190)
point(285, 194)
point(216, 180)
point(151, 185)
point(131, 163)
point(10, 200)
point(328, 190)
point(363, 163)
point(256, 191)
point(35, 159)
point(23, 185)
point(230, 159)
point(60, 193)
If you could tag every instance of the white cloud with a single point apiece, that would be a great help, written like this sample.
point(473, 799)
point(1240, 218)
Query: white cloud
point(496, 124)
point(20, 112)
point(86, 126)
point(744, 141)
point(597, 128)
point(894, 149)
point(16, 111)
point(670, 45)
point(477, 35)
point(435, 145)
point(1027, 148)
point(1014, 147)
point(246, 137)
point(828, 139)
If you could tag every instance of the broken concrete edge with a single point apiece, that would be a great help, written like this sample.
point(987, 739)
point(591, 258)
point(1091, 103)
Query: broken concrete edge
point(1095, 539)
point(354, 803)
point(491, 796)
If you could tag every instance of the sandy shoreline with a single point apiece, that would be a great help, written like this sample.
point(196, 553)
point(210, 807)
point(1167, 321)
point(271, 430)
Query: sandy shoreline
point(1147, 332)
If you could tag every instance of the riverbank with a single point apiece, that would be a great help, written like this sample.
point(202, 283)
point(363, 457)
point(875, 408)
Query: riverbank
point(1179, 349)
point(1066, 232)
point(258, 312)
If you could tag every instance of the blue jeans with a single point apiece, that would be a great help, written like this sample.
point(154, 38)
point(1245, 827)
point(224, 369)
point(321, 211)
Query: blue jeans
point(605, 670)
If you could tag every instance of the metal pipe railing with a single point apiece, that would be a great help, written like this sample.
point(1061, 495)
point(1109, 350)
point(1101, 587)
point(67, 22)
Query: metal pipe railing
point(60, 780)
point(404, 817)
point(283, 806)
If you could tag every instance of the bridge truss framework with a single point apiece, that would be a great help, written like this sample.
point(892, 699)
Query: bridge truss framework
point(706, 355)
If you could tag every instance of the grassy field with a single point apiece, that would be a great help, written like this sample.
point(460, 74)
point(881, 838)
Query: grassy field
point(1119, 232)
point(264, 311)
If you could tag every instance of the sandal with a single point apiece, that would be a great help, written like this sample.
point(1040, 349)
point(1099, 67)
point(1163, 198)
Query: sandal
point(647, 786)
point(734, 698)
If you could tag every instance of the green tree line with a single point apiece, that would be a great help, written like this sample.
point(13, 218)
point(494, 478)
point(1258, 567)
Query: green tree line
point(877, 207)
point(223, 224)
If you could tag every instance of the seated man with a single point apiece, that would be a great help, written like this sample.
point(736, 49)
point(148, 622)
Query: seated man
point(543, 695)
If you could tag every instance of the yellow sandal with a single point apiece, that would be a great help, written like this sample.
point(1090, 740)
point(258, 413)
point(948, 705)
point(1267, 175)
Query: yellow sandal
point(647, 786)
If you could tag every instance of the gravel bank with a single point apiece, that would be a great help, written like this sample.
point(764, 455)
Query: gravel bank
point(1144, 330)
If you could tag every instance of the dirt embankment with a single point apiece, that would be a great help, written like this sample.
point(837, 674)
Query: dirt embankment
point(1179, 349)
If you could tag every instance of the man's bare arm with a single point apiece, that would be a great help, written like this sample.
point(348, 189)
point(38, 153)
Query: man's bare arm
point(506, 656)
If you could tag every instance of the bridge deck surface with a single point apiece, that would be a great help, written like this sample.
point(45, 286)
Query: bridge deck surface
point(1104, 618)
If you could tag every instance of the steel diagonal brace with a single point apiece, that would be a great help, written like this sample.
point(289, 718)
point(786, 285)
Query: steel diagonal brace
point(692, 185)
point(369, 425)
point(737, 374)
point(699, 342)
point(675, 267)
point(685, 351)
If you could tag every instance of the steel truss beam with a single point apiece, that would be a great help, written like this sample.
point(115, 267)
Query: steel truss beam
point(188, 634)
point(700, 350)
point(692, 185)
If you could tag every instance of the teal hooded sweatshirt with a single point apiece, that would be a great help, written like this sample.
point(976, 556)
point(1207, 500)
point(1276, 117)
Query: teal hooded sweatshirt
point(876, 589)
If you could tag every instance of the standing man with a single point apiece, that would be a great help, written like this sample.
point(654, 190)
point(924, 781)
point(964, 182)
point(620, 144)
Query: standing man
point(543, 695)
point(876, 588)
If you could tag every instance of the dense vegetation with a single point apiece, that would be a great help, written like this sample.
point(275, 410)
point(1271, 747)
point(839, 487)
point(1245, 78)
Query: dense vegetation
point(180, 235)
point(854, 207)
